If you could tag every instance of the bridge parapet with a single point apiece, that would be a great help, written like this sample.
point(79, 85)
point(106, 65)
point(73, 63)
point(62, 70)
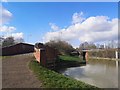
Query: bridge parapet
point(102, 53)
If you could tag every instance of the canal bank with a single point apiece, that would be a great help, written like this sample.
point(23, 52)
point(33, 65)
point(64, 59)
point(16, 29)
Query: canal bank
point(104, 58)
point(98, 73)
point(52, 79)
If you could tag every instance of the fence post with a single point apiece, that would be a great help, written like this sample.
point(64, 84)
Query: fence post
point(116, 54)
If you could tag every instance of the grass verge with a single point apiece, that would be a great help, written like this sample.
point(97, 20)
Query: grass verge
point(52, 79)
point(66, 61)
point(3, 57)
point(70, 58)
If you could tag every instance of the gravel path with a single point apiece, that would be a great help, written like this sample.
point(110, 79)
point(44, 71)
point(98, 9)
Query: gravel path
point(16, 73)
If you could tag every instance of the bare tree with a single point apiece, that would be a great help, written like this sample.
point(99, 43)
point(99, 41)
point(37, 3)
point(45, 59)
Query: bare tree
point(10, 41)
point(87, 45)
point(62, 46)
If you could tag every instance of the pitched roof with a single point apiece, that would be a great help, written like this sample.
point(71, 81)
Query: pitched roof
point(18, 44)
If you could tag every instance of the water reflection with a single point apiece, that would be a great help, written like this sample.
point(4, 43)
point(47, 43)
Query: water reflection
point(101, 73)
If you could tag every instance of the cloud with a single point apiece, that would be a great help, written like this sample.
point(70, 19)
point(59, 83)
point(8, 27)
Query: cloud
point(7, 28)
point(54, 27)
point(4, 0)
point(99, 28)
point(6, 15)
point(77, 18)
point(15, 35)
point(91, 29)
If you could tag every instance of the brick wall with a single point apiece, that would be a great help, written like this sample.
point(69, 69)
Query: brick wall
point(45, 55)
point(37, 54)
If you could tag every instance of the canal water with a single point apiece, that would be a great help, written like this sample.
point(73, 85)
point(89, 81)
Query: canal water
point(100, 73)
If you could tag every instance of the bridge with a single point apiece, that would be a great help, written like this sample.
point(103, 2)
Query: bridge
point(89, 50)
point(85, 52)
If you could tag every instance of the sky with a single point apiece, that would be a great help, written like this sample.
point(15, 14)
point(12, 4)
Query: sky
point(73, 22)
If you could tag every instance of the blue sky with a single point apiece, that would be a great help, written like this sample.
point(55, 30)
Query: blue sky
point(41, 22)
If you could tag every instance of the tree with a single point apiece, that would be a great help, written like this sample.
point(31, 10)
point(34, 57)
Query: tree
point(20, 40)
point(62, 46)
point(8, 41)
point(1, 40)
point(87, 45)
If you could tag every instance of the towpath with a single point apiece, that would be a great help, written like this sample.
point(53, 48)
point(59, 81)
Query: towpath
point(16, 73)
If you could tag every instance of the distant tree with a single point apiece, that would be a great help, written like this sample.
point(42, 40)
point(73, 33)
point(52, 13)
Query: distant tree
point(8, 41)
point(92, 46)
point(84, 45)
point(20, 40)
point(1, 40)
point(87, 45)
point(62, 46)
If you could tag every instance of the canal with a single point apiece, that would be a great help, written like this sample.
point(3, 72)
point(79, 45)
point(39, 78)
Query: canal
point(100, 73)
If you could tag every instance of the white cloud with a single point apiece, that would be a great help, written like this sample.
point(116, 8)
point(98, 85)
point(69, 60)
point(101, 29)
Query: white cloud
point(4, 0)
point(15, 35)
point(77, 18)
point(6, 15)
point(99, 29)
point(92, 29)
point(7, 28)
point(54, 27)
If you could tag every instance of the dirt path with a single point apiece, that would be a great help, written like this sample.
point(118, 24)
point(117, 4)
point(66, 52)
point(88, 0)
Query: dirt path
point(16, 73)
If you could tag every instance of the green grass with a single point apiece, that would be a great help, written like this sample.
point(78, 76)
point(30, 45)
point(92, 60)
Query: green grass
point(70, 58)
point(3, 57)
point(52, 79)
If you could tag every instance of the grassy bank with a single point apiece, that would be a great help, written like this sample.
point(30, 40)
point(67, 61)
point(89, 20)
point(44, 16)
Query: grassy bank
point(70, 58)
point(52, 79)
point(66, 61)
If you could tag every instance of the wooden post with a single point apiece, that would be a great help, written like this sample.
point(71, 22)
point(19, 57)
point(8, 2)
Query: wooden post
point(86, 56)
point(116, 54)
